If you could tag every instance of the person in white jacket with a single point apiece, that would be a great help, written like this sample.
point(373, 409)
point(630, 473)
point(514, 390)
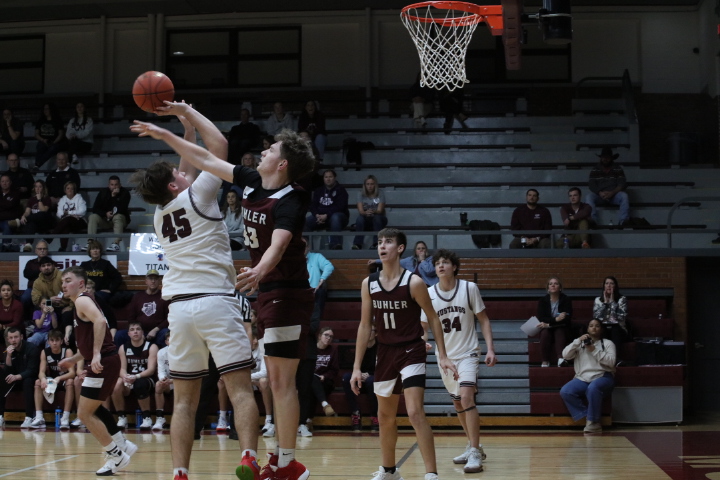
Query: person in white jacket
point(594, 378)
point(71, 211)
point(79, 132)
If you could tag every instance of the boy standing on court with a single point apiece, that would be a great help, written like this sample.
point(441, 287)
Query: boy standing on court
point(102, 368)
point(458, 303)
point(393, 299)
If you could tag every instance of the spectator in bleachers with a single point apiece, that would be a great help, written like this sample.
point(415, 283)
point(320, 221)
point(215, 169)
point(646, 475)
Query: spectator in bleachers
point(106, 277)
point(319, 270)
point(267, 141)
point(164, 384)
point(329, 209)
point(48, 285)
point(37, 217)
point(327, 366)
point(63, 379)
point(232, 216)
point(71, 211)
point(451, 104)
point(21, 177)
point(531, 216)
point(31, 273)
point(554, 312)
point(611, 309)
point(312, 121)
point(594, 362)
point(249, 160)
point(111, 210)
point(44, 319)
point(148, 308)
point(57, 179)
point(79, 133)
point(243, 137)
point(422, 102)
point(12, 139)
point(138, 363)
point(607, 186)
point(18, 371)
point(278, 120)
point(50, 134)
point(371, 211)
point(367, 369)
point(11, 314)
point(575, 216)
point(10, 208)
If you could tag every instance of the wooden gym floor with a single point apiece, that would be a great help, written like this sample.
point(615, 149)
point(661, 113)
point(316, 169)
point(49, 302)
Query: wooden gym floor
point(689, 451)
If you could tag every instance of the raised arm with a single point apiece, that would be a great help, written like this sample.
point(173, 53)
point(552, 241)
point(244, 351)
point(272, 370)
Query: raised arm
point(215, 141)
point(197, 156)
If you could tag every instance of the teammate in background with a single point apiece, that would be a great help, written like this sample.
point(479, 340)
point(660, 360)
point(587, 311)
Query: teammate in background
point(204, 314)
point(138, 360)
point(393, 299)
point(458, 303)
point(50, 371)
point(102, 368)
point(164, 384)
point(274, 213)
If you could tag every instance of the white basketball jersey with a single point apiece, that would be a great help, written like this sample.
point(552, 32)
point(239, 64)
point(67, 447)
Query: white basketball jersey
point(195, 239)
point(457, 310)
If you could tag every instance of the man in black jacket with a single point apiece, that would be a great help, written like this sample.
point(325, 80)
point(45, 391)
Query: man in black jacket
point(21, 362)
point(111, 209)
point(56, 180)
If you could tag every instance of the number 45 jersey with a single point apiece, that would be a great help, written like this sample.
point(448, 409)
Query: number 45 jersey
point(193, 235)
point(457, 310)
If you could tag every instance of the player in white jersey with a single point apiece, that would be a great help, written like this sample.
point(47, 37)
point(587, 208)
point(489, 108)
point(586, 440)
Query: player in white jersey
point(204, 314)
point(458, 303)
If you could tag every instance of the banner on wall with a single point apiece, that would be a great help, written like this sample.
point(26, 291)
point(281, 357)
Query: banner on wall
point(62, 261)
point(146, 253)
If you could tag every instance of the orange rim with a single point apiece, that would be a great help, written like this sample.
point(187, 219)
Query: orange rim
point(476, 13)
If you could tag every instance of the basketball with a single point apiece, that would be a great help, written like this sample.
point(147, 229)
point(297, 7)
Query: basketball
point(151, 89)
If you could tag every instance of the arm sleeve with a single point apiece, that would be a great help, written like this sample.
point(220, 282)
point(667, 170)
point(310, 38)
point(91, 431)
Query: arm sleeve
point(566, 306)
point(598, 308)
point(205, 187)
point(124, 203)
point(564, 212)
point(622, 310)
point(32, 362)
point(99, 204)
point(81, 209)
point(85, 133)
point(476, 301)
point(326, 267)
point(584, 212)
point(290, 211)
point(61, 207)
point(606, 357)
point(571, 350)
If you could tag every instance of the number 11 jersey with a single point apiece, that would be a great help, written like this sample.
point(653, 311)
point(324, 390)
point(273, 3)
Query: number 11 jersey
point(194, 237)
point(396, 314)
point(457, 310)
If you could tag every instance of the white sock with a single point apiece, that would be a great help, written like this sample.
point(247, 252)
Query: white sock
point(112, 449)
point(325, 404)
point(268, 418)
point(252, 453)
point(66, 414)
point(285, 456)
point(178, 471)
point(38, 413)
point(222, 414)
point(119, 439)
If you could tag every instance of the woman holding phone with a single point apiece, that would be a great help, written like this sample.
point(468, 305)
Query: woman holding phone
point(554, 312)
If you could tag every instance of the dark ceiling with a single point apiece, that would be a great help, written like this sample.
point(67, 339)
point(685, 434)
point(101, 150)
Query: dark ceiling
point(34, 10)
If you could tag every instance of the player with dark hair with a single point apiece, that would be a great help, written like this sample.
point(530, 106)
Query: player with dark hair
point(204, 314)
point(274, 211)
point(393, 299)
point(457, 303)
point(102, 368)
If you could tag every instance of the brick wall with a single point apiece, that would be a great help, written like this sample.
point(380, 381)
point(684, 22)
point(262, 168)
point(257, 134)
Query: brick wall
point(520, 273)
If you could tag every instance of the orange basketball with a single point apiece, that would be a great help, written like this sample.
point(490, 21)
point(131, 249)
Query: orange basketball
point(151, 89)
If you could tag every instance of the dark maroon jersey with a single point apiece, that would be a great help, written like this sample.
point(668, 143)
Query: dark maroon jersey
point(263, 212)
point(52, 359)
point(396, 314)
point(136, 357)
point(84, 335)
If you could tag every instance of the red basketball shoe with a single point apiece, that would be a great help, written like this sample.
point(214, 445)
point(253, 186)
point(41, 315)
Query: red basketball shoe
point(267, 473)
point(248, 468)
point(294, 471)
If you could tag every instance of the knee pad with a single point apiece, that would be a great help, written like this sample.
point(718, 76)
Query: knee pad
point(144, 387)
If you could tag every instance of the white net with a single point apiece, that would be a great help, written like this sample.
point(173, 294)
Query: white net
point(441, 37)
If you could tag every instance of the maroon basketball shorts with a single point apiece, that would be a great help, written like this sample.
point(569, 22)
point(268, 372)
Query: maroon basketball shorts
point(405, 363)
point(284, 321)
point(99, 386)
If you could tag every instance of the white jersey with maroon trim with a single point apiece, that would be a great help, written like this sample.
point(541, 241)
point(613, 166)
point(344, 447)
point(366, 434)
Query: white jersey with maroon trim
point(194, 237)
point(457, 310)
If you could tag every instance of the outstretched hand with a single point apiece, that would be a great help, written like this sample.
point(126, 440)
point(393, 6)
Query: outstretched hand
point(174, 108)
point(144, 129)
point(248, 280)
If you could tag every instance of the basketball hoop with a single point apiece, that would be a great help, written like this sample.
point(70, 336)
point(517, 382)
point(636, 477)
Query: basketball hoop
point(441, 32)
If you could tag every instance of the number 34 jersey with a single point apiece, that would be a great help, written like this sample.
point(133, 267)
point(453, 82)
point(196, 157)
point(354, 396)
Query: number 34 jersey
point(193, 235)
point(457, 310)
